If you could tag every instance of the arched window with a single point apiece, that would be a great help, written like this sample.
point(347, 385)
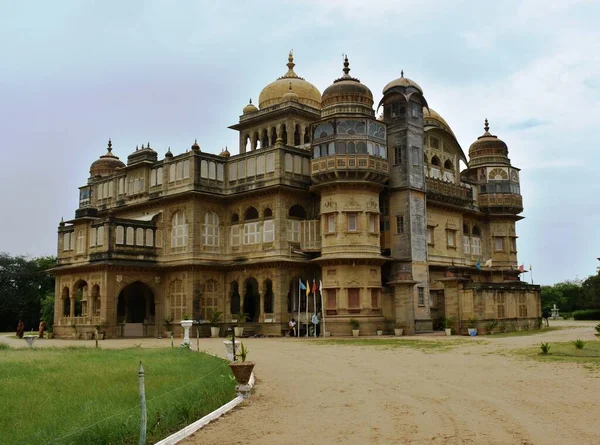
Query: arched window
point(294, 224)
point(297, 211)
point(176, 300)
point(284, 133)
point(178, 230)
point(209, 301)
point(448, 165)
point(273, 135)
point(251, 213)
point(139, 236)
point(306, 136)
point(247, 142)
point(235, 218)
point(268, 213)
point(120, 235)
point(268, 226)
point(436, 161)
point(234, 299)
point(210, 232)
point(129, 236)
point(297, 135)
point(269, 297)
point(66, 302)
point(265, 139)
point(256, 139)
point(149, 238)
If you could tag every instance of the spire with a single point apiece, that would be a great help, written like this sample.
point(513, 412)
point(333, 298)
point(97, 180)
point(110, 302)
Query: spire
point(147, 146)
point(486, 127)
point(346, 66)
point(401, 73)
point(250, 101)
point(109, 145)
point(291, 66)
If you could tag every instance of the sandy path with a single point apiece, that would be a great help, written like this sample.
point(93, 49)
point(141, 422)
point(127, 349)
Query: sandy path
point(473, 394)
point(310, 394)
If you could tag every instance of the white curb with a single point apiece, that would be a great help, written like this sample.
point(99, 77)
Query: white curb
point(193, 427)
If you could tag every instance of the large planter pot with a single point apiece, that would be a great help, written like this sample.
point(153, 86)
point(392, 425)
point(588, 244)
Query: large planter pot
point(472, 332)
point(379, 332)
point(214, 331)
point(168, 334)
point(448, 331)
point(242, 371)
point(398, 332)
point(239, 331)
point(229, 347)
point(186, 325)
point(355, 332)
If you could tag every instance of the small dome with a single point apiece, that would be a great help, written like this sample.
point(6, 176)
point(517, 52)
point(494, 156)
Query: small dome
point(168, 154)
point(488, 149)
point(346, 89)
point(273, 93)
point(250, 108)
point(404, 82)
point(225, 153)
point(106, 164)
point(196, 147)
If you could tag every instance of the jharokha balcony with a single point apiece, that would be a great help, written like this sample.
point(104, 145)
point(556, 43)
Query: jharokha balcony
point(349, 166)
point(448, 192)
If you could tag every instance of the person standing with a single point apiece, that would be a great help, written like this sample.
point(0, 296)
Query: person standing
point(292, 325)
point(315, 320)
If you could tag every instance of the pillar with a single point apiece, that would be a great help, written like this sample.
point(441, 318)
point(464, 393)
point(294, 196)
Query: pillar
point(72, 308)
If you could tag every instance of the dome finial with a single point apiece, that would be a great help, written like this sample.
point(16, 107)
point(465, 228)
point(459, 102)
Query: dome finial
point(250, 101)
point(346, 66)
point(486, 127)
point(291, 63)
point(401, 73)
point(109, 145)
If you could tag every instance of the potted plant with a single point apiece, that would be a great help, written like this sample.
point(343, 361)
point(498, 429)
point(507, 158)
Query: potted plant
point(241, 318)
point(379, 330)
point(472, 326)
point(398, 330)
point(48, 334)
point(229, 347)
point(491, 326)
point(214, 323)
point(448, 323)
point(242, 370)
point(168, 321)
point(355, 325)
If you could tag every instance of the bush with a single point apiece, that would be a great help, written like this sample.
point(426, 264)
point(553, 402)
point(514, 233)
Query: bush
point(590, 314)
point(566, 315)
point(545, 347)
point(579, 344)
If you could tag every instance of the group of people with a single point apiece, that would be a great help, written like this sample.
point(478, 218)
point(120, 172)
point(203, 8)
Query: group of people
point(316, 321)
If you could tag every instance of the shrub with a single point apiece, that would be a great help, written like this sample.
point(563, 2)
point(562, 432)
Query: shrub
point(354, 323)
point(504, 327)
point(579, 344)
point(538, 322)
point(597, 328)
point(590, 314)
point(567, 315)
point(545, 347)
point(491, 326)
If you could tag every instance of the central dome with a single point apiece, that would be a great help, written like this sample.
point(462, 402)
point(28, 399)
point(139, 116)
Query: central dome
point(347, 90)
point(273, 93)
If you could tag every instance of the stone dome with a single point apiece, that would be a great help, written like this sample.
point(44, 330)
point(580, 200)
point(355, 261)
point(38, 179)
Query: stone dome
point(404, 82)
point(106, 164)
point(488, 149)
point(273, 93)
point(250, 108)
point(430, 115)
point(225, 153)
point(346, 89)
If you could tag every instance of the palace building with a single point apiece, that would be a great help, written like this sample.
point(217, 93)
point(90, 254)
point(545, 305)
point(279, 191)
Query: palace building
point(378, 209)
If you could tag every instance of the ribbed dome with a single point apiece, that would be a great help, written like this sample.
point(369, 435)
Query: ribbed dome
point(345, 90)
point(402, 82)
point(430, 115)
point(107, 164)
point(273, 93)
point(250, 108)
point(488, 149)
point(225, 153)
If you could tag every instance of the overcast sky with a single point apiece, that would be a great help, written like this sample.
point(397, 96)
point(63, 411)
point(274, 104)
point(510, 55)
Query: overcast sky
point(74, 73)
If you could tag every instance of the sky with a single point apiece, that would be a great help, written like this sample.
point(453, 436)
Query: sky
point(75, 73)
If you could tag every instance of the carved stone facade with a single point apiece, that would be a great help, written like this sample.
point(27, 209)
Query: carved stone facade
point(377, 210)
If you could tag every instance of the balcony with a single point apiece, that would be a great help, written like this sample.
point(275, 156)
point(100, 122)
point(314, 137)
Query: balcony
point(502, 202)
point(349, 166)
point(445, 192)
point(310, 235)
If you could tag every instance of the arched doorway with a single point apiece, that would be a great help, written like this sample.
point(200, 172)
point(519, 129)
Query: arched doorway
point(252, 299)
point(135, 309)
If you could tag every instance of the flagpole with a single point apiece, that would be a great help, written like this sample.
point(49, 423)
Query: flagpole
point(315, 303)
point(307, 294)
point(298, 323)
point(322, 307)
point(531, 272)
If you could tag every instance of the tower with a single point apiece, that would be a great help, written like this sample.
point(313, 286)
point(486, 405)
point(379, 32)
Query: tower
point(403, 103)
point(349, 170)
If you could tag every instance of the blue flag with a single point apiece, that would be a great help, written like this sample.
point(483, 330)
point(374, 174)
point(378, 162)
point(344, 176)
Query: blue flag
point(478, 265)
point(302, 286)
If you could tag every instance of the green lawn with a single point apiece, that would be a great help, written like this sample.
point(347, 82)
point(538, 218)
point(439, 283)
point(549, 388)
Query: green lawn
point(424, 345)
point(91, 395)
point(566, 352)
point(525, 333)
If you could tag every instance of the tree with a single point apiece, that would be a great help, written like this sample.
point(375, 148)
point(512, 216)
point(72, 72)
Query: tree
point(591, 292)
point(23, 284)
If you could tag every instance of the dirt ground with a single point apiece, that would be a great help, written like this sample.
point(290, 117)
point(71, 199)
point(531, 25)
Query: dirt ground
point(472, 394)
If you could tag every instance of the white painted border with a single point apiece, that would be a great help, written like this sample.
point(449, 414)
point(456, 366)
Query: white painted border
point(193, 427)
